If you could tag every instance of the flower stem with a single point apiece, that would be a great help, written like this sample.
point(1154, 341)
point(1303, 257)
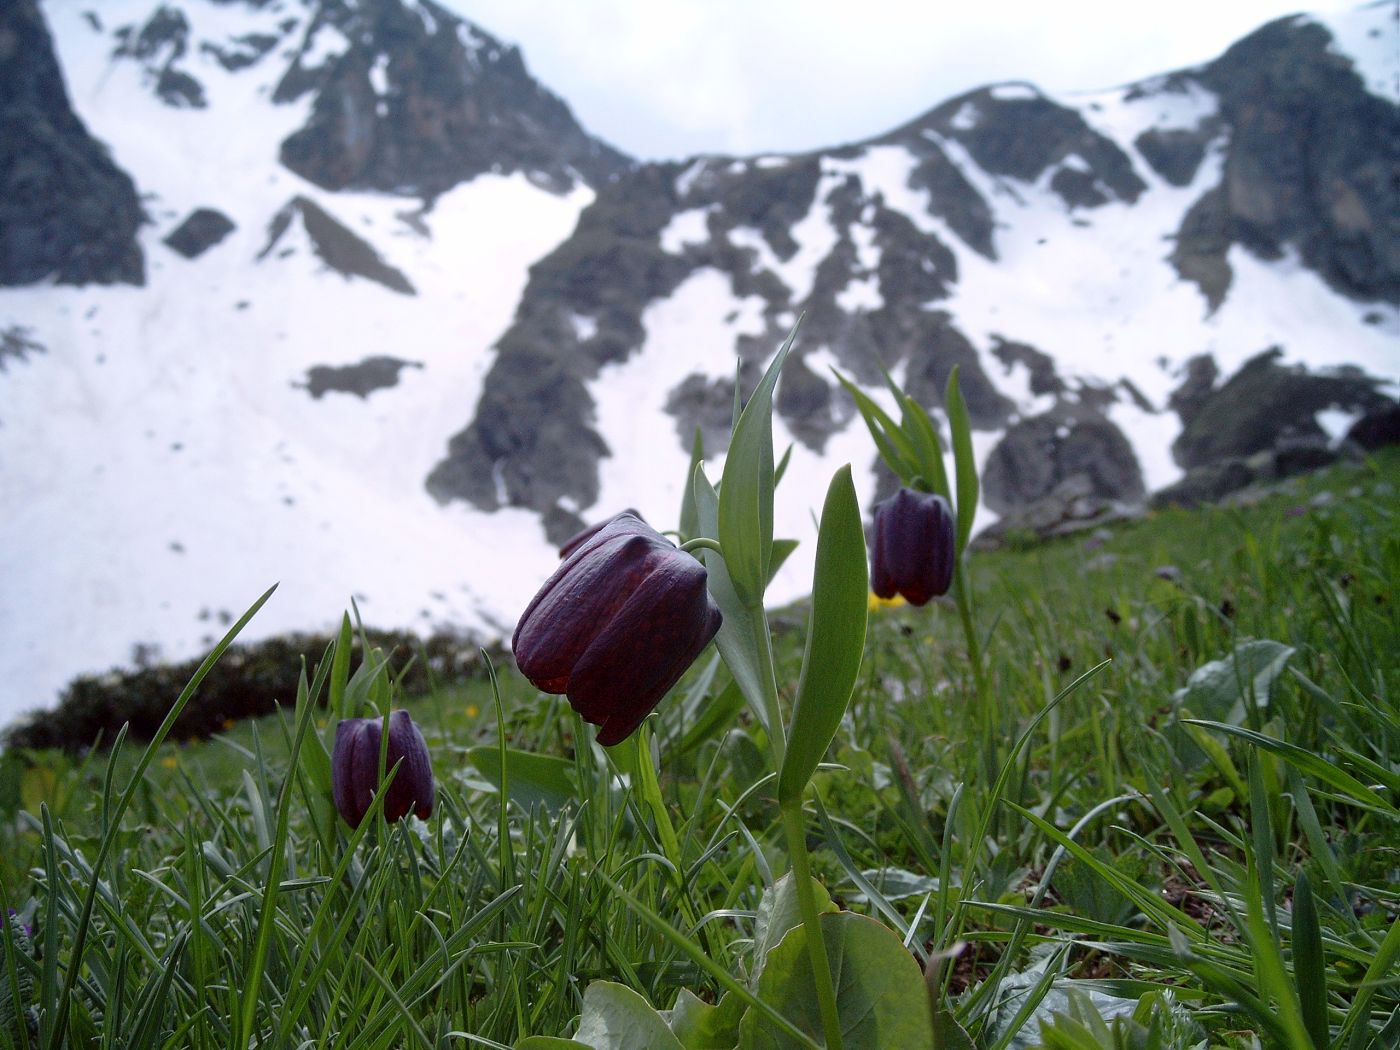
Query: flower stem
point(811, 922)
point(690, 546)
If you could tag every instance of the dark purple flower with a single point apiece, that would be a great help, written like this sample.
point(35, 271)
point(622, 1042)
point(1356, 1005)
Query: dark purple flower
point(617, 625)
point(355, 769)
point(576, 541)
point(912, 548)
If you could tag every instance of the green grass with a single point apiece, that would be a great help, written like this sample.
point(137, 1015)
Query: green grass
point(1142, 876)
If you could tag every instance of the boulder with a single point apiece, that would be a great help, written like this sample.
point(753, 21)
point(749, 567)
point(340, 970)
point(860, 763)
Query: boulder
point(202, 229)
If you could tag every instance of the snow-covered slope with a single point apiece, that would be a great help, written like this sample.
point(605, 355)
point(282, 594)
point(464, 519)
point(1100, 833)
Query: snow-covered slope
point(410, 367)
point(161, 459)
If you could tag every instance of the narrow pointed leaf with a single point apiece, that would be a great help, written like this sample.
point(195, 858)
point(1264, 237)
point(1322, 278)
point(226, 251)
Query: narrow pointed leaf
point(964, 463)
point(924, 437)
point(835, 636)
point(746, 489)
point(1309, 967)
point(689, 525)
point(890, 440)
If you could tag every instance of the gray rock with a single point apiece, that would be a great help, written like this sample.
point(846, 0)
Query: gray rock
point(66, 210)
point(1309, 165)
point(1264, 402)
point(459, 104)
point(202, 229)
point(335, 245)
point(1377, 428)
point(1038, 456)
point(360, 379)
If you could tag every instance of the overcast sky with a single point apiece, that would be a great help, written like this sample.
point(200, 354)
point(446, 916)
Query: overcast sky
point(664, 79)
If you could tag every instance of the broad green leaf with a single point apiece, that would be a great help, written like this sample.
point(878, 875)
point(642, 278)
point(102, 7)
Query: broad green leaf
point(550, 1042)
point(1217, 690)
point(616, 1018)
point(689, 526)
point(778, 913)
point(746, 489)
point(880, 994)
point(835, 636)
point(964, 464)
point(531, 779)
point(702, 1026)
point(737, 637)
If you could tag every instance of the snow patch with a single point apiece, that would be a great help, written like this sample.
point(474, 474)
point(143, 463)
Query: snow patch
point(1336, 423)
point(686, 227)
point(1014, 93)
point(967, 116)
point(1370, 37)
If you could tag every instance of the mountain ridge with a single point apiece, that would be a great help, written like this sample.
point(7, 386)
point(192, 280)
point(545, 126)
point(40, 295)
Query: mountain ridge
point(442, 359)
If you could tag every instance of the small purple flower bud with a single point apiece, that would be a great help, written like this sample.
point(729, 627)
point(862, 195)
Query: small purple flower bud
point(355, 769)
point(912, 547)
point(579, 539)
point(616, 625)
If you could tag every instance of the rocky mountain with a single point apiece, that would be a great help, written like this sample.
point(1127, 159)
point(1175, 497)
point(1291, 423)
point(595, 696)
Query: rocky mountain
point(335, 293)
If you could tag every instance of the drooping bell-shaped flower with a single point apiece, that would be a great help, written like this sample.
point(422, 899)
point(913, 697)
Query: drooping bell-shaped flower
point(617, 625)
point(912, 547)
point(355, 769)
point(579, 539)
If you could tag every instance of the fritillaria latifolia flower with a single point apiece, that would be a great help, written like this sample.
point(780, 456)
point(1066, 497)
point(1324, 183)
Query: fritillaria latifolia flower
point(617, 624)
point(355, 769)
point(578, 540)
point(912, 549)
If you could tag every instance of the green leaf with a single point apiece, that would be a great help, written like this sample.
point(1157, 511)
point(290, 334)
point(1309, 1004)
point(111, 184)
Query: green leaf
point(1309, 964)
point(893, 443)
point(738, 631)
point(617, 1018)
point(531, 779)
point(1217, 690)
point(549, 1042)
point(689, 526)
point(880, 994)
point(1306, 762)
point(963, 462)
point(711, 716)
point(702, 1026)
point(778, 914)
point(782, 550)
point(924, 437)
point(835, 636)
point(746, 489)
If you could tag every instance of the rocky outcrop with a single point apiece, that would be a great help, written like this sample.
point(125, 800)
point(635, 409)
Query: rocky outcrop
point(66, 210)
point(866, 302)
point(1310, 167)
point(334, 244)
point(1264, 403)
point(202, 229)
point(1076, 452)
point(1014, 130)
point(417, 100)
point(159, 46)
point(360, 379)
